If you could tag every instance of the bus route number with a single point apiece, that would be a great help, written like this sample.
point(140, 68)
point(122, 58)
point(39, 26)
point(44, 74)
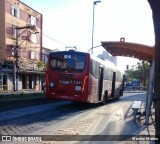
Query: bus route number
point(67, 56)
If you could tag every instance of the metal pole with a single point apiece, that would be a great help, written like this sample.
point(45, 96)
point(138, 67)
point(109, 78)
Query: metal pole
point(94, 3)
point(93, 25)
point(14, 74)
point(16, 61)
point(150, 93)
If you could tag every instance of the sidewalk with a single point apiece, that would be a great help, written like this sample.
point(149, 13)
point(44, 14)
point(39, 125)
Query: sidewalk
point(146, 135)
point(21, 95)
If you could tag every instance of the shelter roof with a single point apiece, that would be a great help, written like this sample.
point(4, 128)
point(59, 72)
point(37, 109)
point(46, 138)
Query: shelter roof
point(142, 52)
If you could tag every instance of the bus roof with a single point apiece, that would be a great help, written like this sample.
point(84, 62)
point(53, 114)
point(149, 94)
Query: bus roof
point(103, 62)
point(70, 51)
point(106, 63)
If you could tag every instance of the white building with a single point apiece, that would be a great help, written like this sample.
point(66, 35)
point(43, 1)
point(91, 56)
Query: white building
point(106, 56)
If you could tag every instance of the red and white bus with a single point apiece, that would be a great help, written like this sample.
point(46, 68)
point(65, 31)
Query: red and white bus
point(81, 77)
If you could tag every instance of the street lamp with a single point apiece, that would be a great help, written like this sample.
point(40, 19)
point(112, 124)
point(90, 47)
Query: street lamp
point(94, 3)
point(16, 68)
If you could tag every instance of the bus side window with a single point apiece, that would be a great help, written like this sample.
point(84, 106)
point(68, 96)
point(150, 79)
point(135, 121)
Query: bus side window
point(53, 63)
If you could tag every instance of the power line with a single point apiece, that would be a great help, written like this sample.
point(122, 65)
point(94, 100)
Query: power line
point(54, 40)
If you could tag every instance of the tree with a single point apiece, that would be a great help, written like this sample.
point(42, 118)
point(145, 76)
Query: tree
point(141, 72)
point(41, 65)
point(155, 6)
point(145, 70)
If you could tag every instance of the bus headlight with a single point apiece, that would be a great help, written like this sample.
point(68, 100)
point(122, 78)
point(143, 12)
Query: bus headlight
point(51, 84)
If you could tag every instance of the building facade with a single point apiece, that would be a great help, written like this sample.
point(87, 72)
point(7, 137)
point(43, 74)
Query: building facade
point(20, 46)
point(45, 52)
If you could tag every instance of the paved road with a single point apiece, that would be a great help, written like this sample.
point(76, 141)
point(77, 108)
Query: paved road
point(66, 118)
point(16, 104)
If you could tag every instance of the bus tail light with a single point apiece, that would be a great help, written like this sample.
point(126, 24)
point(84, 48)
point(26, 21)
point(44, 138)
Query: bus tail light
point(78, 88)
point(51, 84)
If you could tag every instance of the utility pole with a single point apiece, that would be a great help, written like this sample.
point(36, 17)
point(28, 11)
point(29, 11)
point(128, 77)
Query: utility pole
point(16, 60)
point(16, 55)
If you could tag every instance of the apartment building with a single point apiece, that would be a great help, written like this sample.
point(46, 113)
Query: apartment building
point(45, 52)
point(20, 46)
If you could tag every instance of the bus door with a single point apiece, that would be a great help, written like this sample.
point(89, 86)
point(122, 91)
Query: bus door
point(113, 84)
point(100, 82)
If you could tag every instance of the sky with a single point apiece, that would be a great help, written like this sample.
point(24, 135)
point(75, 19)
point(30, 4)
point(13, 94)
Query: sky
point(68, 23)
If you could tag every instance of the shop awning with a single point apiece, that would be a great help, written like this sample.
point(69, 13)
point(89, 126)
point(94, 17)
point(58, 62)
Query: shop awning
point(142, 52)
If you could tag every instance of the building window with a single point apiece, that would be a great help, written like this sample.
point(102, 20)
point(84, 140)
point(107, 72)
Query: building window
point(33, 20)
point(15, 11)
point(13, 30)
point(44, 59)
point(34, 55)
point(33, 38)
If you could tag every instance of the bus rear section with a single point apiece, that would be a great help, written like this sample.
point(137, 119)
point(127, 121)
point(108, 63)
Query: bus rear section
point(67, 76)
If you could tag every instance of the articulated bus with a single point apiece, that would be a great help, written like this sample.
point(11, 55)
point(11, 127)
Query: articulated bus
point(81, 77)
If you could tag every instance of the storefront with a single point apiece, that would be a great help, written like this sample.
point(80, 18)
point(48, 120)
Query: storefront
point(28, 78)
point(6, 79)
point(31, 80)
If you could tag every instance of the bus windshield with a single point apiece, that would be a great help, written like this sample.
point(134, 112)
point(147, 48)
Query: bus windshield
point(68, 61)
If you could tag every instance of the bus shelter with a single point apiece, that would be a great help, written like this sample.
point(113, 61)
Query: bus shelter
point(142, 52)
point(139, 51)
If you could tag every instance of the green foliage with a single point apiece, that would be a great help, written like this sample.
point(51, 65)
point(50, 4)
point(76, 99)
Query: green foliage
point(41, 65)
point(141, 72)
